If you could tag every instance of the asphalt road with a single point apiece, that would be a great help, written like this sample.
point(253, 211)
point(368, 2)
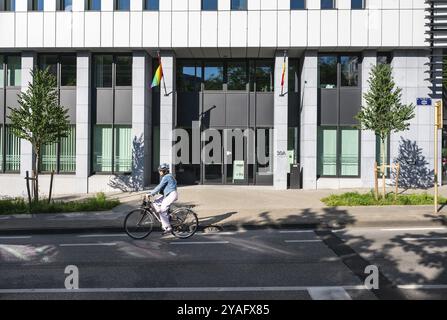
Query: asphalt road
point(261, 264)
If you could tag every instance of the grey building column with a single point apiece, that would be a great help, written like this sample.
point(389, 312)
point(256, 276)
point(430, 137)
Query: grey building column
point(368, 138)
point(280, 114)
point(26, 149)
point(141, 119)
point(167, 108)
point(83, 119)
point(309, 111)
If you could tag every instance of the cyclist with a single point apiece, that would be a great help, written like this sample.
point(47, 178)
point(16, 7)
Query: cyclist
point(168, 188)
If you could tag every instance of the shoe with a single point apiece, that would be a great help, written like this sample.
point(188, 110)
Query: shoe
point(166, 231)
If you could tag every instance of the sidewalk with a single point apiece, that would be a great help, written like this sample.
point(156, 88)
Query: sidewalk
point(232, 207)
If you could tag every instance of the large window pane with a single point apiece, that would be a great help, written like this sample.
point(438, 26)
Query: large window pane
point(123, 149)
point(67, 157)
point(94, 5)
point(349, 158)
point(37, 5)
point(238, 4)
point(12, 151)
point(264, 76)
point(102, 150)
point(48, 158)
point(209, 4)
point(327, 151)
point(66, 5)
point(123, 5)
point(48, 61)
point(14, 71)
point(2, 72)
point(1, 148)
point(151, 5)
point(123, 70)
point(327, 4)
point(328, 71)
point(68, 70)
point(213, 75)
point(189, 76)
point(237, 76)
point(349, 71)
point(103, 71)
point(357, 4)
point(297, 4)
point(10, 5)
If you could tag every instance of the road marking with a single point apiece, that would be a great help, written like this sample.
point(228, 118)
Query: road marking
point(414, 229)
point(199, 242)
point(329, 293)
point(423, 286)
point(177, 289)
point(102, 235)
point(16, 237)
point(296, 231)
point(303, 241)
point(424, 239)
point(226, 233)
point(87, 244)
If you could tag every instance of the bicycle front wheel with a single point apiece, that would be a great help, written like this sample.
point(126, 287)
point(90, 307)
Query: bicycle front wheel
point(184, 223)
point(138, 223)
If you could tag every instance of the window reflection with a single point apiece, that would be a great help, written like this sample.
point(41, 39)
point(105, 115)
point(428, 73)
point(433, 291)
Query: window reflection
point(237, 76)
point(123, 70)
point(349, 71)
point(213, 75)
point(328, 72)
point(103, 71)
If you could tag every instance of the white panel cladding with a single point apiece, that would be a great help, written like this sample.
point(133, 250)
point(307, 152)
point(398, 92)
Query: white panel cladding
point(179, 5)
point(418, 31)
point(239, 28)
point(107, 5)
point(313, 4)
point(224, 5)
point(21, 5)
point(313, 28)
point(121, 27)
point(329, 28)
point(194, 26)
point(63, 29)
point(92, 32)
point(150, 29)
point(136, 29)
point(195, 5)
point(254, 28)
point(344, 28)
point(209, 29)
point(21, 29)
point(373, 4)
point(283, 4)
point(49, 5)
point(359, 34)
point(375, 28)
point(165, 5)
point(390, 4)
point(406, 4)
point(165, 29)
point(268, 28)
point(35, 29)
point(269, 4)
point(406, 28)
point(106, 29)
point(49, 29)
point(78, 5)
point(223, 27)
point(6, 34)
point(254, 5)
point(419, 4)
point(390, 28)
point(298, 28)
point(283, 28)
point(78, 29)
point(179, 28)
point(343, 4)
point(136, 5)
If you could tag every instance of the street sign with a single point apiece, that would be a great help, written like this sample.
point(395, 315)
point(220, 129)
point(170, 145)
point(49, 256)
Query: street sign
point(423, 101)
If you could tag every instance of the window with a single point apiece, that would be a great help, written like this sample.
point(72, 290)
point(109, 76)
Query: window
point(213, 75)
point(152, 5)
point(237, 77)
point(50, 62)
point(357, 4)
point(64, 5)
point(93, 5)
point(123, 70)
point(238, 4)
point(36, 5)
point(7, 5)
point(349, 71)
point(338, 152)
point(210, 5)
point(327, 4)
point(383, 58)
point(2, 72)
point(14, 71)
point(9, 150)
point(262, 75)
point(122, 5)
point(68, 70)
point(189, 76)
point(328, 71)
point(297, 4)
point(103, 71)
point(60, 157)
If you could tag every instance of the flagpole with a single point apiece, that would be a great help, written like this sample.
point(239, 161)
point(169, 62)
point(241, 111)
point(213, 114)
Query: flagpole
point(162, 73)
point(283, 74)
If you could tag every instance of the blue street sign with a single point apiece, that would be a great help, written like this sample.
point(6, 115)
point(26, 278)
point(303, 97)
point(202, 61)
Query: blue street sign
point(423, 101)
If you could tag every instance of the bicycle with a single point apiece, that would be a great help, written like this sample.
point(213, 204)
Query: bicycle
point(139, 222)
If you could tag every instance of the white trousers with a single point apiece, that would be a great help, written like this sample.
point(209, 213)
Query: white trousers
point(162, 206)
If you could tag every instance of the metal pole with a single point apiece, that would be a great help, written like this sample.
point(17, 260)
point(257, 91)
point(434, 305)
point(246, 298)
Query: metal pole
point(436, 158)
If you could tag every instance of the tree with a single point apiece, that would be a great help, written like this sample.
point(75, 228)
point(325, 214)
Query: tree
point(39, 118)
point(384, 112)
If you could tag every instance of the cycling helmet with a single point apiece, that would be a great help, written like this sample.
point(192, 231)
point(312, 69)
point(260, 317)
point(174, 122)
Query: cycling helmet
point(163, 167)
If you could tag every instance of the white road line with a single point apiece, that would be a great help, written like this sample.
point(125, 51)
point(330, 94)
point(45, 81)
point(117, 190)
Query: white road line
point(413, 229)
point(425, 239)
point(423, 286)
point(199, 242)
point(296, 231)
point(303, 241)
point(102, 235)
point(87, 244)
point(329, 293)
point(176, 289)
point(16, 237)
point(227, 233)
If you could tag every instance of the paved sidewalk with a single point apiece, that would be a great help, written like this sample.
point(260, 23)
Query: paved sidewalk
point(232, 207)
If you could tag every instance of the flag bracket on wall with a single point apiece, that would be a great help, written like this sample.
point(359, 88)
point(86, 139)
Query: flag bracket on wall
point(159, 76)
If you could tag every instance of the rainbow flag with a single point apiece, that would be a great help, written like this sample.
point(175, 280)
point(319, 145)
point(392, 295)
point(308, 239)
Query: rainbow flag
point(283, 73)
point(158, 75)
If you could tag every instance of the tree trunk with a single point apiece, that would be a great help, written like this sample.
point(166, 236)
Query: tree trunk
point(382, 146)
point(36, 176)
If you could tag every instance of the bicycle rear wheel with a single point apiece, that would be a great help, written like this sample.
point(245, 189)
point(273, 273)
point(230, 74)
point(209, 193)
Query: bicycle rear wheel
point(138, 223)
point(184, 223)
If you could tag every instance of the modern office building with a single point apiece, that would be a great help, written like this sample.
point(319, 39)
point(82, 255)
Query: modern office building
point(222, 63)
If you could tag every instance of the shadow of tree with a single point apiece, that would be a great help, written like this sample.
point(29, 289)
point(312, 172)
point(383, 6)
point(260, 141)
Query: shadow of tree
point(414, 171)
point(134, 181)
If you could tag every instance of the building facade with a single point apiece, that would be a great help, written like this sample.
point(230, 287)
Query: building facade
point(223, 64)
